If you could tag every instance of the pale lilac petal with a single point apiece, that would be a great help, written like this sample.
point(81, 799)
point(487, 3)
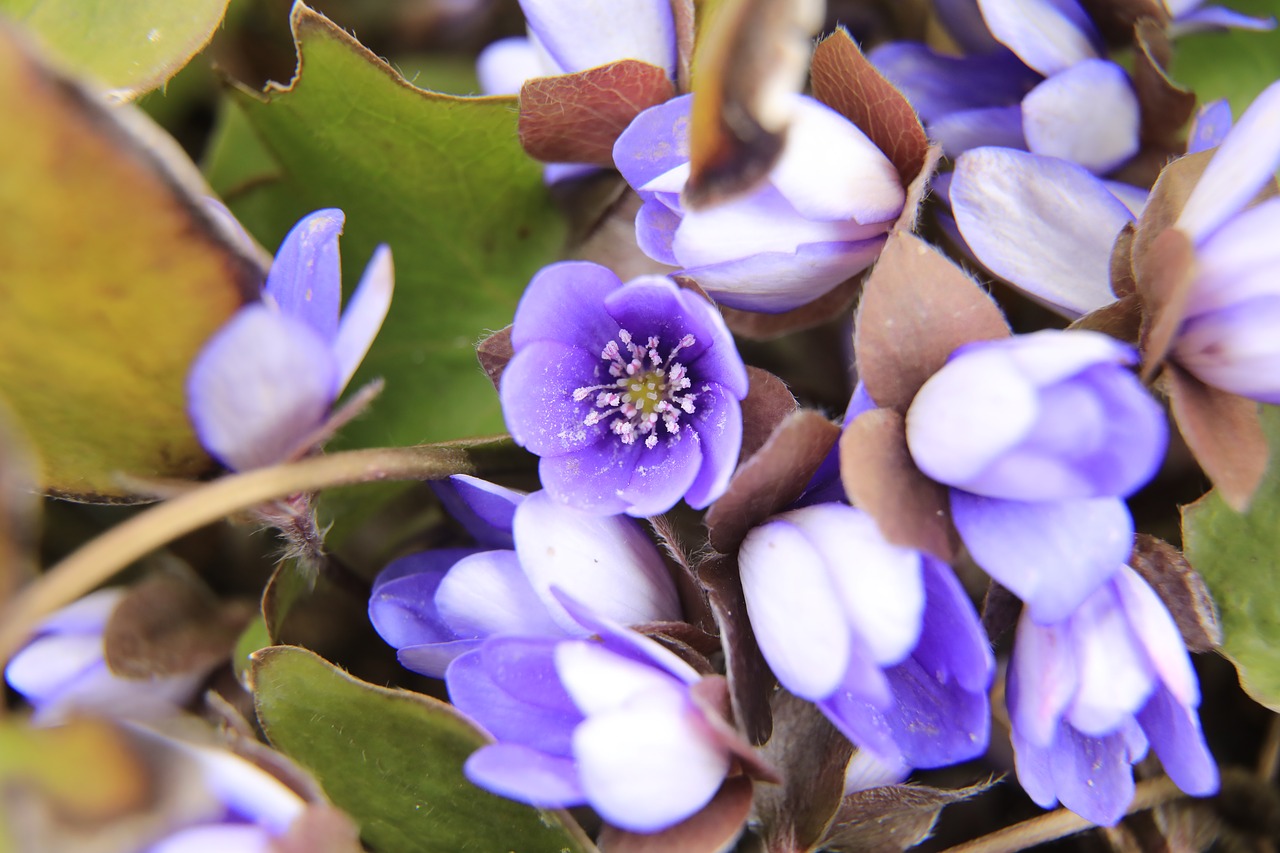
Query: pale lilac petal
point(504, 65)
point(485, 509)
point(1035, 772)
point(1210, 126)
point(1236, 348)
point(305, 280)
point(795, 609)
point(1218, 18)
point(402, 607)
point(564, 303)
point(1134, 198)
point(1043, 674)
point(774, 282)
point(1155, 629)
point(217, 838)
point(623, 641)
point(865, 771)
point(967, 129)
point(433, 659)
point(648, 766)
point(1116, 678)
point(1243, 164)
point(1052, 555)
point(1175, 735)
point(51, 664)
point(1040, 32)
point(1092, 775)
point(364, 314)
point(606, 562)
point(1087, 114)
point(938, 85)
point(88, 615)
point(488, 593)
point(1238, 262)
point(1043, 224)
point(656, 226)
point(829, 169)
point(262, 384)
point(554, 173)
point(581, 34)
point(600, 681)
point(963, 21)
point(245, 788)
point(656, 141)
point(718, 427)
point(1050, 356)
point(537, 397)
point(526, 775)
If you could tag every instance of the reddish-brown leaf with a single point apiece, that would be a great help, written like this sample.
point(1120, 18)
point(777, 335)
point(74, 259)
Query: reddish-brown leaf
point(1121, 319)
point(1181, 589)
point(881, 478)
point(1224, 433)
point(1168, 197)
point(1122, 278)
point(916, 308)
point(893, 818)
point(917, 189)
point(844, 80)
point(712, 696)
point(1166, 108)
point(1115, 18)
point(576, 118)
point(493, 354)
point(749, 677)
point(1165, 273)
point(768, 403)
point(684, 14)
point(712, 829)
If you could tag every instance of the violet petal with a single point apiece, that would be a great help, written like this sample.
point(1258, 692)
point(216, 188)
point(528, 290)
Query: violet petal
point(305, 280)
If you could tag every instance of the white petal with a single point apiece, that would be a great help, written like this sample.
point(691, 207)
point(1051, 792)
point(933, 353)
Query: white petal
point(581, 34)
point(1159, 635)
point(1087, 114)
point(1039, 32)
point(488, 593)
point(364, 314)
point(1115, 676)
point(599, 680)
point(504, 65)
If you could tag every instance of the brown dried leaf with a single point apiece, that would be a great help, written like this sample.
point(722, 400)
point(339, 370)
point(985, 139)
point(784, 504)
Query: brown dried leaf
point(693, 600)
point(892, 818)
point(1181, 589)
point(1166, 107)
point(764, 327)
point(576, 118)
point(767, 404)
point(811, 755)
point(493, 354)
point(1166, 272)
point(749, 677)
point(690, 643)
point(1168, 197)
point(1121, 319)
point(1000, 610)
point(881, 478)
point(1115, 18)
point(712, 829)
point(916, 308)
point(1223, 432)
point(1122, 277)
point(844, 80)
point(772, 478)
point(320, 829)
point(711, 696)
point(917, 189)
point(172, 624)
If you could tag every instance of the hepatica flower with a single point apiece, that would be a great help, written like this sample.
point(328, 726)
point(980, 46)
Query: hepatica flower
point(883, 639)
point(629, 393)
point(612, 723)
point(1087, 695)
point(1040, 437)
point(819, 219)
point(436, 605)
point(261, 390)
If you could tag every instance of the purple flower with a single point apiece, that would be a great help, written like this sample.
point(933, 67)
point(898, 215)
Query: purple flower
point(629, 393)
point(261, 390)
point(883, 639)
point(819, 219)
point(63, 670)
point(436, 605)
point(608, 722)
point(1040, 436)
point(1043, 87)
point(1087, 694)
point(1192, 16)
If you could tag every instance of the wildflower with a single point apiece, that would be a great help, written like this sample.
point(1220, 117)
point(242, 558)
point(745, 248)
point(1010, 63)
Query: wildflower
point(819, 219)
point(1089, 693)
point(883, 639)
point(435, 605)
point(1040, 436)
point(1192, 16)
point(629, 393)
point(261, 390)
point(609, 722)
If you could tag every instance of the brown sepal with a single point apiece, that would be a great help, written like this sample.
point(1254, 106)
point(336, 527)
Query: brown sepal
point(691, 644)
point(749, 677)
point(576, 118)
point(1165, 107)
point(767, 404)
point(811, 755)
point(917, 189)
point(846, 81)
point(1168, 197)
point(881, 478)
point(1000, 610)
point(1121, 319)
point(1181, 589)
point(892, 818)
point(683, 13)
point(172, 624)
point(772, 478)
point(916, 308)
point(1223, 432)
point(319, 829)
point(763, 327)
point(712, 697)
point(693, 600)
point(1122, 275)
point(1115, 18)
point(493, 353)
point(1165, 272)
point(712, 829)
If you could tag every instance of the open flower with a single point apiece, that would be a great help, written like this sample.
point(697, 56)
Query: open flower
point(629, 393)
point(883, 639)
point(261, 390)
point(612, 723)
point(1087, 694)
point(819, 219)
point(1040, 437)
point(436, 605)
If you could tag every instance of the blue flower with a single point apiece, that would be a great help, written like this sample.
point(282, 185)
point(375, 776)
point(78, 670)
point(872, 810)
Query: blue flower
point(261, 390)
point(1088, 694)
point(436, 605)
point(629, 393)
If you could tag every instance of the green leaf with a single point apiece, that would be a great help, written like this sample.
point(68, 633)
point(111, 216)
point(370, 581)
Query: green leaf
point(1238, 555)
point(393, 761)
point(1236, 64)
point(443, 180)
point(111, 279)
point(130, 47)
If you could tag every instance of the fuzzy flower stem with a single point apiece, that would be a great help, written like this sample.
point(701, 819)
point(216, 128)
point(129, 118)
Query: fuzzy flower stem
point(1062, 823)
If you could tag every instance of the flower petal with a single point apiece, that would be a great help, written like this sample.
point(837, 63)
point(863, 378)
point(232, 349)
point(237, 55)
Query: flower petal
point(663, 474)
point(1042, 678)
point(1155, 629)
point(262, 384)
point(1236, 348)
point(1048, 35)
point(599, 680)
point(718, 428)
point(1052, 554)
point(656, 141)
point(564, 303)
point(216, 838)
point(364, 314)
point(526, 775)
point(433, 659)
point(1092, 775)
point(1218, 18)
point(623, 641)
point(952, 639)
point(1116, 677)
point(1043, 224)
point(1210, 126)
point(935, 721)
point(505, 64)
point(1175, 735)
point(1087, 114)
point(656, 226)
point(581, 34)
point(51, 664)
point(594, 479)
point(938, 85)
point(402, 607)
point(485, 509)
point(305, 280)
point(488, 593)
point(964, 130)
point(1238, 262)
point(537, 398)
